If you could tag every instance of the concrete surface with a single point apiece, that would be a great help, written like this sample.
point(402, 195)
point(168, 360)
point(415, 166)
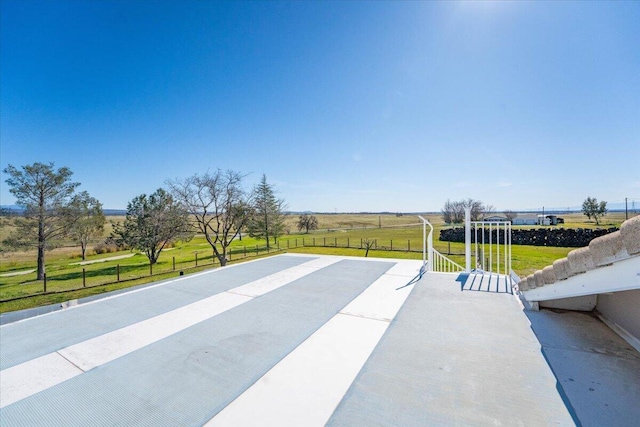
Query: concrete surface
point(308, 340)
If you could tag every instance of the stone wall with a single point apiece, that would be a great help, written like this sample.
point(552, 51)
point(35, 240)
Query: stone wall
point(562, 237)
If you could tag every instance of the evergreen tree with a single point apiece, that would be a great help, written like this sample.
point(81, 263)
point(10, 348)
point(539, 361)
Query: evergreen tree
point(268, 216)
point(43, 193)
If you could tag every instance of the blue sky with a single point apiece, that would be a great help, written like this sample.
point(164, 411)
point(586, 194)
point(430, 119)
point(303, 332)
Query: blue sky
point(345, 106)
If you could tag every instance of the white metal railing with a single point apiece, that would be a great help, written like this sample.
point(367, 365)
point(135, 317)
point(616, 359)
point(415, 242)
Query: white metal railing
point(427, 246)
point(443, 264)
point(432, 260)
point(492, 246)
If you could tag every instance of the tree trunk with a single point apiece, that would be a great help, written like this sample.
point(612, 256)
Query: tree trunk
point(222, 257)
point(41, 244)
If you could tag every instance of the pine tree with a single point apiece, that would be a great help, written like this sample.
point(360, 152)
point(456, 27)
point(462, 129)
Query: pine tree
point(268, 216)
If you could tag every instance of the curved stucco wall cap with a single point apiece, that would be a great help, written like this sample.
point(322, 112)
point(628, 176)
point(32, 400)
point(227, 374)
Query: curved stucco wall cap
point(538, 278)
point(580, 260)
point(548, 275)
point(630, 231)
point(608, 249)
point(561, 269)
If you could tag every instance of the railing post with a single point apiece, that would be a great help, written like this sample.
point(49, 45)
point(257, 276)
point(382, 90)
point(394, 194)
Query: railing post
point(427, 245)
point(467, 239)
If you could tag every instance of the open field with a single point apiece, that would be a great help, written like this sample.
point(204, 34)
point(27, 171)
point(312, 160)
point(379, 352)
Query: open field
point(394, 236)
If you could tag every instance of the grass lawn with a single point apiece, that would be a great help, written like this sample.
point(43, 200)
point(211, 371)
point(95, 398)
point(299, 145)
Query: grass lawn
point(395, 237)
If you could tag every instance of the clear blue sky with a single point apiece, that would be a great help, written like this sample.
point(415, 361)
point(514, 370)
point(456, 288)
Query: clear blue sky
point(345, 106)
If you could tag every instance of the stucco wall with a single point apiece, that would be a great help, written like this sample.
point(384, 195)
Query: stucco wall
point(623, 309)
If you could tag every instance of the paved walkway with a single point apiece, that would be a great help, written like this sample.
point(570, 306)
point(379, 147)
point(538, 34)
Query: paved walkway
point(288, 340)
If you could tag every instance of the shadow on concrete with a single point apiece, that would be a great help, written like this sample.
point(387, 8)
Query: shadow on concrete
point(597, 372)
point(484, 282)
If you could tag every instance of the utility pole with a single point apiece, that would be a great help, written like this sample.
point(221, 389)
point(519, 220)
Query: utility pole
point(626, 210)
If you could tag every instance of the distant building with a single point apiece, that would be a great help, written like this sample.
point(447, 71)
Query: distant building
point(550, 220)
point(495, 218)
point(525, 219)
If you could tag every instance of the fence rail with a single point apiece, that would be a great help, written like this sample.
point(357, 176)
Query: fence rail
point(114, 272)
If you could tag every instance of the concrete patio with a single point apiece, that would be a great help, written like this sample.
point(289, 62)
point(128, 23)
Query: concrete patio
point(315, 340)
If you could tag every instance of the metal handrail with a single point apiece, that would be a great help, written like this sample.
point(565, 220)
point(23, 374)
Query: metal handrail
point(445, 265)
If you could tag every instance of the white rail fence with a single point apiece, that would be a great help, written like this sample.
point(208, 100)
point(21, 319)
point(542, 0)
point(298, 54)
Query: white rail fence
point(491, 248)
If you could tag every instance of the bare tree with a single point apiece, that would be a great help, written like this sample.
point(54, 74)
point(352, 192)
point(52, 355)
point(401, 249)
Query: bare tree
point(453, 212)
point(368, 244)
point(218, 205)
point(43, 192)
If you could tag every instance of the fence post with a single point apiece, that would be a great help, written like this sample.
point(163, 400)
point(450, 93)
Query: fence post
point(391, 244)
point(287, 244)
point(150, 269)
point(256, 250)
point(118, 272)
point(348, 245)
point(44, 277)
point(84, 278)
point(278, 245)
point(335, 242)
point(302, 241)
point(467, 239)
point(174, 263)
point(314, 241)
point(408, 245)
point(245, 251)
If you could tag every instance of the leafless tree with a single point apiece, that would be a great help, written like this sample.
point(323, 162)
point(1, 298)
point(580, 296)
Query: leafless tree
point(453, 212)
point(218, 205)
point(368, 244)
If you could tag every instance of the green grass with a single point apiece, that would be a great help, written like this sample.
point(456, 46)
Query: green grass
point(400, 233)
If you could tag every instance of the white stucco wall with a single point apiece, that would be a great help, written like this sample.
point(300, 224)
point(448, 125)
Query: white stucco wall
point(622, 308)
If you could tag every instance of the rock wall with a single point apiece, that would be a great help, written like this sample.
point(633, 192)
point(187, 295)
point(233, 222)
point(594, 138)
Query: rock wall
point(562, 237)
